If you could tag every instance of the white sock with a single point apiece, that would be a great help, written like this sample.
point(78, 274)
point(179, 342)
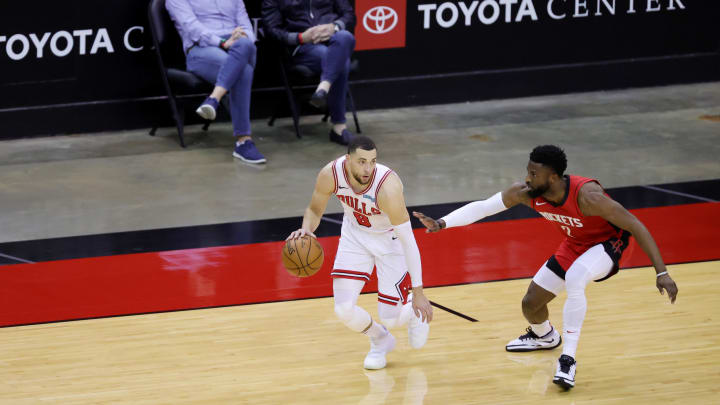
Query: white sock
point(324, 85)
point(376, 330)
point(541, 329)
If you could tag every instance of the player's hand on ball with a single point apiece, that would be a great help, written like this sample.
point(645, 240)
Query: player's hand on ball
point(666, 282)
point(421, 306)
point(300, 233)
point(431, 224)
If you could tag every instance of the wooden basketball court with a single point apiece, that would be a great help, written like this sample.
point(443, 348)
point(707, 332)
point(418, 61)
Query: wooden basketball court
point(635, 348)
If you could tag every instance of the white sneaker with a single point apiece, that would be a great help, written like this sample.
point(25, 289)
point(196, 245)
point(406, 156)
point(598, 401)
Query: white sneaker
point(375, 359)
point(418, 331)
point(206, 111)
point(531, 342)
point(565, 374)
point(208, 108)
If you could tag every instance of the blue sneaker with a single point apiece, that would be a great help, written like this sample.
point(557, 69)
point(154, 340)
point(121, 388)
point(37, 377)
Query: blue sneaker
point(342, 139)
point(247, 152)
point(208, 109)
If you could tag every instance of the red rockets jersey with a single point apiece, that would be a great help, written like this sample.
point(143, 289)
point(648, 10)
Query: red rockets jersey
point(581, 232)
point(361, 209)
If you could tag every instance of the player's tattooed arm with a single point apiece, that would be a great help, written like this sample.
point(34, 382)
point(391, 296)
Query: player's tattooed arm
point(324, 187)
point(592, 201)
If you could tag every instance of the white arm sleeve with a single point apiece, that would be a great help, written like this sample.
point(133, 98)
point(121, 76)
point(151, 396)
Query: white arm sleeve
point(475, 211)
point(412, 254)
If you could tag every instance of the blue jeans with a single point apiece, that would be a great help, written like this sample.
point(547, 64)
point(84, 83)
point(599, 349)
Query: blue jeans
point(332, 61)
point(232, 70)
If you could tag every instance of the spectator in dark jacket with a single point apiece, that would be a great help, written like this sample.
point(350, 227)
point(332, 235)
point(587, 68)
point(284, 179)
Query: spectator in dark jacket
point(317, 30)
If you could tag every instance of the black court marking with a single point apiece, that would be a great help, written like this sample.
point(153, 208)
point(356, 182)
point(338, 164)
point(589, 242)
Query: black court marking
point(461, 315)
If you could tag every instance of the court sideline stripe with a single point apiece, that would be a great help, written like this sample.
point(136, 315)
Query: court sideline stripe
point(317, 298)
point(334, 221)
point(662, 190)
point(17, 259)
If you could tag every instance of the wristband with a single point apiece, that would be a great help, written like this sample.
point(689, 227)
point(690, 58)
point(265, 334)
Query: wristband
point(300, 38)
point(222, 42)
point(661, 274)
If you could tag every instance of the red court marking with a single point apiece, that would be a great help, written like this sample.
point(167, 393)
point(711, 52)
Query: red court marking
point(232, 275)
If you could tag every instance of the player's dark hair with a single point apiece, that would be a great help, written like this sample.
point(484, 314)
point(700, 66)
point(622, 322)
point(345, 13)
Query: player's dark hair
point(551, 156)
point(361, 142)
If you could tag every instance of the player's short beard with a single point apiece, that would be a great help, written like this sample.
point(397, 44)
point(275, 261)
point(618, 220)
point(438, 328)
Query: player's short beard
point(358, 178)
point(537, 192)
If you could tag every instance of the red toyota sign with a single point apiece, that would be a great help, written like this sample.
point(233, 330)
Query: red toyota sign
point(380, 24)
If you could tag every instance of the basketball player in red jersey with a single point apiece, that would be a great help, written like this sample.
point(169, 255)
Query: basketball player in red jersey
point(597, 231)
point(376, 232)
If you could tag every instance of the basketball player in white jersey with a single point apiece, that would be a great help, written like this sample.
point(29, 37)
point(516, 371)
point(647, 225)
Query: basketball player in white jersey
point(376, 232)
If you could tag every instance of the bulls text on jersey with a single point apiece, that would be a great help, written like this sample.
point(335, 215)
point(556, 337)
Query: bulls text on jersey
point(358, 206)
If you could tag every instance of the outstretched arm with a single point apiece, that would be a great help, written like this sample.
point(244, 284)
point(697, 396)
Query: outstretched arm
point(324, 186)
point(477, 210)
point(593, 201)
point(391, 201)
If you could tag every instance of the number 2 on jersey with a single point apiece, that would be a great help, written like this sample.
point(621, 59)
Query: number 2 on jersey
point(566, 229)
point(362, 219)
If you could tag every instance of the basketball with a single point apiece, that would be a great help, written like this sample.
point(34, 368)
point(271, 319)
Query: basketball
point(302, 257)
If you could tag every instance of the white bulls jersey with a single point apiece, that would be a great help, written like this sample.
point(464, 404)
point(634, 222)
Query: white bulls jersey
point(361, 210)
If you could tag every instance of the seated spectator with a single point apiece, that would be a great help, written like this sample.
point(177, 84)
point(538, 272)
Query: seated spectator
point(317, 32)
point(219, 44)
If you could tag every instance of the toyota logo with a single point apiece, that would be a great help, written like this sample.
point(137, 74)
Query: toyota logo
point(380, 19)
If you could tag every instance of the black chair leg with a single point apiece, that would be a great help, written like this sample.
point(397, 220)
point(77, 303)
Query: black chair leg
point(272, 120)
point(354, 112)
point(152, 131)
point(293, 110)
point(291, 101)
point(178, 115)
point(180, 122)
point(325, 117)
point(295, 115)
point(206, 126)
